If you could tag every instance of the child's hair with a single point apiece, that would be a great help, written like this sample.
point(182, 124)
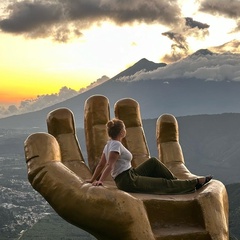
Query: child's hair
point(114, 127)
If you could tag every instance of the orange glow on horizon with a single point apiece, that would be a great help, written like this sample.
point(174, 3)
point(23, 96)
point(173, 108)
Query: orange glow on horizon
point(22, 84)
point(41, 67)
point(9, 99)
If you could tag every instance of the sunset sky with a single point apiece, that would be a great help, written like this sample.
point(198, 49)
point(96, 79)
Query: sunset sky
point(46, 45)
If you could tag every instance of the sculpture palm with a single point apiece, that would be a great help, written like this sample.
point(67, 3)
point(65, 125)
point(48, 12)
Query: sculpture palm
point(57, 170)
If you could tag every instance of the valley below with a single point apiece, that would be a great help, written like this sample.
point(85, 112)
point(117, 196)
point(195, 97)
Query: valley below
point(26, 215)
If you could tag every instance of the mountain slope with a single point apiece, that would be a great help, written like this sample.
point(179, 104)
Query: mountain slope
point(37, 119)
point(234, 209)
point(143, 64)
point(178, 96)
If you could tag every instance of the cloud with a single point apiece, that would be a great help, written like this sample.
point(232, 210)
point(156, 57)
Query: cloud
point(192, 23)
point(180, 48)
point(38, 19)
point(229, 9)
point(38, 103)
point(211, 67)
point(63, 20)
point(232, 46)
point(46, 100)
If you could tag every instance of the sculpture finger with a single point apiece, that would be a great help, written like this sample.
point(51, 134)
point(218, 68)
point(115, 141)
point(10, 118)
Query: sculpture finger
point(96, 116)
point(128, 110)
point(169, 148)
point(61, 125)
point(105, 213)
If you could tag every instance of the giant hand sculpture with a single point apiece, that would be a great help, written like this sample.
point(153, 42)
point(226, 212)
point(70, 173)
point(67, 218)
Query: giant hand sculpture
point(57, 170)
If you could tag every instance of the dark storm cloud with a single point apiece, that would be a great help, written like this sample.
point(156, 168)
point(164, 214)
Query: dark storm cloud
point(26, 16)
point(61, 18)
point(230, 8)
point(195, 24)
point(38, 19)
point(180, 47)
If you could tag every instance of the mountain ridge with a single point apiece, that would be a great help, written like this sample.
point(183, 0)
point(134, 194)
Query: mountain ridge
point(142, 64)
